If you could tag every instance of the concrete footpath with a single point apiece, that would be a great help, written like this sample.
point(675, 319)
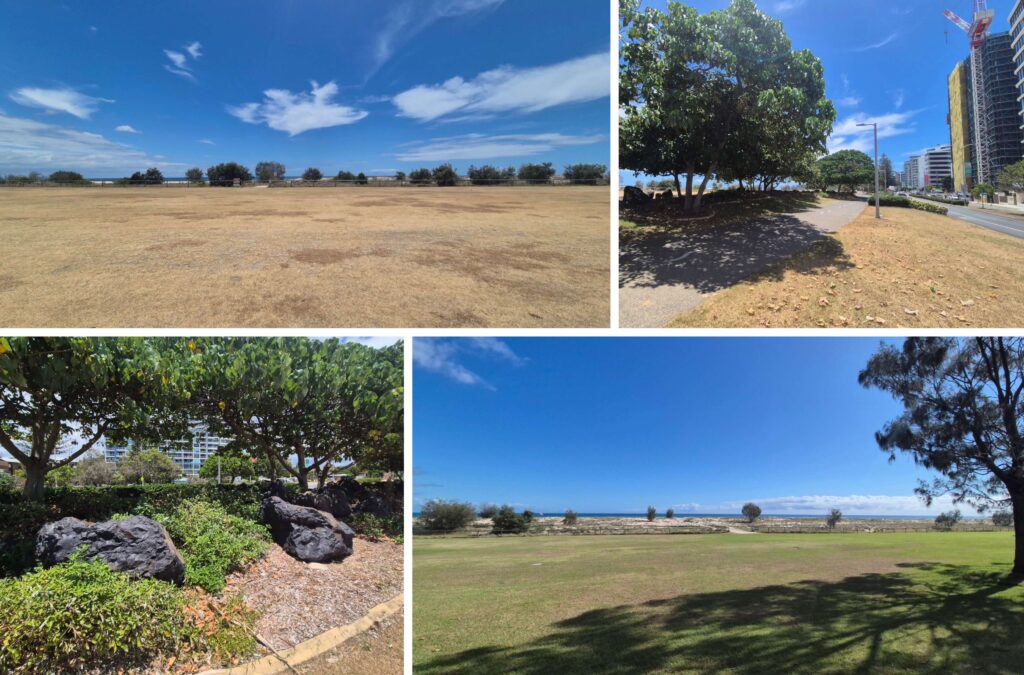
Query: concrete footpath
point(663, 277)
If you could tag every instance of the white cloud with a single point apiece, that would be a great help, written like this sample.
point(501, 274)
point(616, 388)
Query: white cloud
point(65, 100)
point(177, 58)
point(93, 29)
point(479, 146)
point(299, 112)
point(194, 50)
point(878, 45)
point(27, 145)
point(206, 141)
point(127, 129)
point(179, 61)
point(846, 135)
point(407, 18)
point(849, 101)
point(783, 6)
point(898, 98)
point(440, 356)
point(854, 505)
point(509, 89)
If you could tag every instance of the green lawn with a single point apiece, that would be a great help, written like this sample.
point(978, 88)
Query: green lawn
point(886, 603)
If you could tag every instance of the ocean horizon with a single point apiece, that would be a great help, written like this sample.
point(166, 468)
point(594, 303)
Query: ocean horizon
point(661, 515)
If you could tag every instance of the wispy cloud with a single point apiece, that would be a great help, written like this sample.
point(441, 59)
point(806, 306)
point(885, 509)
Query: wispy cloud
point(407, 18)
point(848, 136)
point(179, 64)
point(849, 101)
point(31, 145)
point(783, 6)
point(509, 89)
point(438, 355)
point(479, 146)
point(878, 45)
point(299, 112)
point(127, 129)
point(64, 100)
point(206, 141)
point(856, 505)
point(899, 97)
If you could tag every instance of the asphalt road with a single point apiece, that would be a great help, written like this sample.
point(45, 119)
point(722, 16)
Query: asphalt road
point(993, 220)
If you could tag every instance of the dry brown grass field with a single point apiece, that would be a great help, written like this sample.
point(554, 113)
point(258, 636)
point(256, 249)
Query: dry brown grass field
point(333, 257)
point(909, 270)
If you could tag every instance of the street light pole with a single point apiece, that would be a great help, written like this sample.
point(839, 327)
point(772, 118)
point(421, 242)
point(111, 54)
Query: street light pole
point(878, 203)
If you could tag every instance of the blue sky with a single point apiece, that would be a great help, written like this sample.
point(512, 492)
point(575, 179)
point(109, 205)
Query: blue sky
point(885, 61)
point(613, 425)
point(109, 88)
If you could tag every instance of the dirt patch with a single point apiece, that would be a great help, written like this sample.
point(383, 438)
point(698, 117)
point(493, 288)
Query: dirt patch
point(299, 601)
point(330, 256)
point(176, 244)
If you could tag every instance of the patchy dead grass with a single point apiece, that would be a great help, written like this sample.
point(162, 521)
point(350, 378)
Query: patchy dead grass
point(909, 270)
point(353, 257)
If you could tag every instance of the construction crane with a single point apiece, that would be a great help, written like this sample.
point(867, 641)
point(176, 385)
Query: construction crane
point(977, 31)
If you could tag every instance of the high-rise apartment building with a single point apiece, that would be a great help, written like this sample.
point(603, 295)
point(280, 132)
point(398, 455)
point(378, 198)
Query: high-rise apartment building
point(188, 454)
point(934, 165)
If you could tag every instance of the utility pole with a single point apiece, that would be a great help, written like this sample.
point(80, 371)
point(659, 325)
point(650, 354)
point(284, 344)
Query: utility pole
point(878, 196)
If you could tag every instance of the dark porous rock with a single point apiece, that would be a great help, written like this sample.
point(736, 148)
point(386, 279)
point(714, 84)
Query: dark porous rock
point(138, 546)
point(375, 505)
point(306, 533)
point(667, 194)
point(332, 498)
point(634, 196)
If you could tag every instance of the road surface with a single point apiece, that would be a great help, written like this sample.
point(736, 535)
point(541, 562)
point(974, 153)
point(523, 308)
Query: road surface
point(993, 220)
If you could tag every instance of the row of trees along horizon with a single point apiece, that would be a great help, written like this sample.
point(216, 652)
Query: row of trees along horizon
point(723, 96)
point(267, 172)
point(296, 405)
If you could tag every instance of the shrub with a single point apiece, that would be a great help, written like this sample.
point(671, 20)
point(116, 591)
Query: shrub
point(670, 513)
point(571, 517)
point(445, 175)
point(486, 511)
point(908, 203)
point(225, 174)
point(948, 520)
point(751, 511)
point(1002, 519)
point(833, 518)
point(652, 513)
point(312, 174)
point(484, 175)
point(537, 173)
point(345, 176)
point(944, 200)
point(361, 178)
point(194, 175)
point(81, 613)
point(507, 521)
point(268, 171)
point(152, 176)
point(148, 466)
point(95, 471)
point(445, 516)
point(421, 177)
point(213, 542)
point(400, 176)
point(6, 482)
point(67, 177)
point(376, 527)
point(585, 174)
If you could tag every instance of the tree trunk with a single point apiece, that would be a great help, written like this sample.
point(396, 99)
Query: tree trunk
point(688, 197)
point(35, 482)
point(679, 186)
point(700, 191)
point(1018, 534)
point(303, 476)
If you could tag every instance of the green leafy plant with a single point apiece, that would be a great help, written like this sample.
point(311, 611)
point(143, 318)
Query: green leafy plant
point(570, 518)
point(908, 203)
point(1002, 519)
point(486, 511)
point(652, 513)
point(751, 511)
point(445, 516)
point(947, 521)
point(507, 521)
point(833, 519)
point(213, 542)
point(83, 614)
point(670, 513)
point(376, 527)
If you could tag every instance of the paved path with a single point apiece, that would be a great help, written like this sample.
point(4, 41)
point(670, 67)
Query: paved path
point(663, 277)
point(990, 218)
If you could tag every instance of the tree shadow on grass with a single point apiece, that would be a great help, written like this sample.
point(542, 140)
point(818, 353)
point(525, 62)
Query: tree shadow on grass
point(711, 259)
point(945, 620)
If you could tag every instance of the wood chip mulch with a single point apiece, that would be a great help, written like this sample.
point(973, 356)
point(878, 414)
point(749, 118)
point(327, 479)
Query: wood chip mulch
point(299, 601)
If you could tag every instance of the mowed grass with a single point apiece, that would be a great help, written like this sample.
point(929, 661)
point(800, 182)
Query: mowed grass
point(909, 270)
point(886, 603)
point(313, 257)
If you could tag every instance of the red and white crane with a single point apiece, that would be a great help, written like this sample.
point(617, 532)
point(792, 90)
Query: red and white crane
point(977, 31)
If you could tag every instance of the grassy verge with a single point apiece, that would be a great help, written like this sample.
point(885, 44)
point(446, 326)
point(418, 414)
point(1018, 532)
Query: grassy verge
point(669, 215)
point(910, 269)
point(898, 603)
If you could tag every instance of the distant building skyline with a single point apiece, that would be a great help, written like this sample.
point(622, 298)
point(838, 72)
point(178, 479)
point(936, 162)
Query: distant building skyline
point(189, 455)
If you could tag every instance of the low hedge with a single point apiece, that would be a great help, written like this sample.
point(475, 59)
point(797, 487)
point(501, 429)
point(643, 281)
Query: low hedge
point(908, 203)
point(944, 200)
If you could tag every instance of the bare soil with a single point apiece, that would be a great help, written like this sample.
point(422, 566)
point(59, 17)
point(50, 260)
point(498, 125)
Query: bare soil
point(346, 257)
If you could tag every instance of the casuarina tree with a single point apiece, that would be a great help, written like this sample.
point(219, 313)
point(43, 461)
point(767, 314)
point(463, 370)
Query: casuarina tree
point(963, 412)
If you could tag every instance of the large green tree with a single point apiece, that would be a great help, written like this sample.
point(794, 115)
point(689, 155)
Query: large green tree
point(845, 170)
point(148, 466)
point(303, 404)
point(1011, 178)
point(59, 396)
point(720, 94)
point(268, 171)
point(963, 416)
point(228, 466)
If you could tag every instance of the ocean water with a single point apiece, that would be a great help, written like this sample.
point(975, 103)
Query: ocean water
point(818, 516)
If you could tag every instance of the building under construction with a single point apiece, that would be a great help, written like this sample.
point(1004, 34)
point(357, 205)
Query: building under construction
point(984, 107)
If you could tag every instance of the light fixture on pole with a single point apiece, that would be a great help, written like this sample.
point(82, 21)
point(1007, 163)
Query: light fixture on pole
point(878, 204)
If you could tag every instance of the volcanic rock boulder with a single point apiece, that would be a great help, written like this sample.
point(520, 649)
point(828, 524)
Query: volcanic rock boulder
point(305, 533)
point(139, 546)
point(634, 196)
point(333, 499)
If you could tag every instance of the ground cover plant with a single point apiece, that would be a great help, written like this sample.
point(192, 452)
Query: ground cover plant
point(910, 269)
point(902, 603)
point(887, 199)
point(470, 256)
